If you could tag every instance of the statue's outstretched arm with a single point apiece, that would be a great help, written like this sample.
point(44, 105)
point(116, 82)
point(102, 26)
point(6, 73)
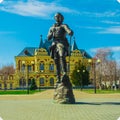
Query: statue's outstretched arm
point(68, 30)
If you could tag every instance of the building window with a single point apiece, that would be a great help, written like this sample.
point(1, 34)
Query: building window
point(29, 81)
point(33, 67)
point(41, 66)
point(22, 83)
point(41, 81)
point(51, 81)
point(6, 76)
point(19, 65)
point(5, 86)
point(10, 77)
point(29, 68)
point(11, 85)
point(51, 67)
point(23, 68)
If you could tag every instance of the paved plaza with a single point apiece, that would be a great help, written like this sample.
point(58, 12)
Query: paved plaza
point(41, 106)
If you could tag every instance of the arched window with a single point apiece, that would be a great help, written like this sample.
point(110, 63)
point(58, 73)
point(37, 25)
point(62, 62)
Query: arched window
point(23, 68)
point(51, 81)
point(5, 86)
point(41, 66)
point(19, 65)
point(41, 81)
point(11, 77)
point(29, 68)
point(33, 67)
point(11, 85)
point(22, 83)
point(51, 67)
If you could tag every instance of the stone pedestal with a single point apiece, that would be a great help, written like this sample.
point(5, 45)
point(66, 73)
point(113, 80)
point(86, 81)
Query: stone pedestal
point(63, 92)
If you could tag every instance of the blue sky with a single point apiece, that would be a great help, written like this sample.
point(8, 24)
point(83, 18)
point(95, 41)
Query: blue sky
point(96, 24)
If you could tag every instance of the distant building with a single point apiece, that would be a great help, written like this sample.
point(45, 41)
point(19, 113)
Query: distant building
point(36, 63)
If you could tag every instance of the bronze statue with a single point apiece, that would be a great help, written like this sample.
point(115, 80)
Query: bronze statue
point(59, 50)
point(60, 46)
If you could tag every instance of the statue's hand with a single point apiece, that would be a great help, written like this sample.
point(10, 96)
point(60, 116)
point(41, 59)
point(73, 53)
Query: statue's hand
point(71, 33)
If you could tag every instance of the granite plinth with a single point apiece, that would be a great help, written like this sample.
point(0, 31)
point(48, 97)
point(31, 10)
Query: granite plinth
point(63, 92)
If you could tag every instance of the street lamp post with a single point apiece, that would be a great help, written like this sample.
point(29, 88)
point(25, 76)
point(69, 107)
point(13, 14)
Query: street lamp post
point(78, 71)
point(94, 72)
point(93, 63)
point(82, 80)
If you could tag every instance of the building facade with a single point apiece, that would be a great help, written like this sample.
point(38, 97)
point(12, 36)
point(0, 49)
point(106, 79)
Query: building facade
point(36, 63)
point(7, 81)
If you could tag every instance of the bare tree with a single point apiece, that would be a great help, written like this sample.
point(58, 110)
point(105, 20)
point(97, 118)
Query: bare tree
point(106, 70)
point(5, 71)
point(9, 69)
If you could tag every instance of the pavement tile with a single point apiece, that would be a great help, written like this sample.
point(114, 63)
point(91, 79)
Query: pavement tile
point(42, 107)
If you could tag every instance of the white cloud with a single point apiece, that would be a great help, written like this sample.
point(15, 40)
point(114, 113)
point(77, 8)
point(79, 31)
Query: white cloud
point(102, 30)
point(1, 1)
point(90, 27)
point(111, 22)
point(34, 8)
point(111, 30)
point(118, 1)
point(37, 8)
point(101, 14)
point(113, 49)
point(94, 50)
point(106, 14)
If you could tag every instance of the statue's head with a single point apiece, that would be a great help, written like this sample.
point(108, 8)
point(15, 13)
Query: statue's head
point(59, 17)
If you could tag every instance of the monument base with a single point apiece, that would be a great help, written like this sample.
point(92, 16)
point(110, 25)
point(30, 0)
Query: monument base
point(63, 92)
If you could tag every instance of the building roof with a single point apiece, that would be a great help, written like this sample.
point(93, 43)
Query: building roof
point(85, 54)
point(30, 51)
point(41, 42)
point(74, 45)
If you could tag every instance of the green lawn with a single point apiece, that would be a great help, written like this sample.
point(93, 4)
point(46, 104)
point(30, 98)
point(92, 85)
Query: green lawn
point(17, 92)
point(101, 91)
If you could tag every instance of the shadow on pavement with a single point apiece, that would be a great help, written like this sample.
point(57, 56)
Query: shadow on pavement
point(97, 103)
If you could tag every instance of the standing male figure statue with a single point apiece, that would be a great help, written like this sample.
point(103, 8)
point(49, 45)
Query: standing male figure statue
point(60, 46)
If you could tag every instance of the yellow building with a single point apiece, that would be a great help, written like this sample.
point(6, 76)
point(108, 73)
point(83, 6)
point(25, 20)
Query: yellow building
point(36, 63)
point(7, 81)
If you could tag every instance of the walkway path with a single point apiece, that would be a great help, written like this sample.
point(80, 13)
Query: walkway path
point(40, 106)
